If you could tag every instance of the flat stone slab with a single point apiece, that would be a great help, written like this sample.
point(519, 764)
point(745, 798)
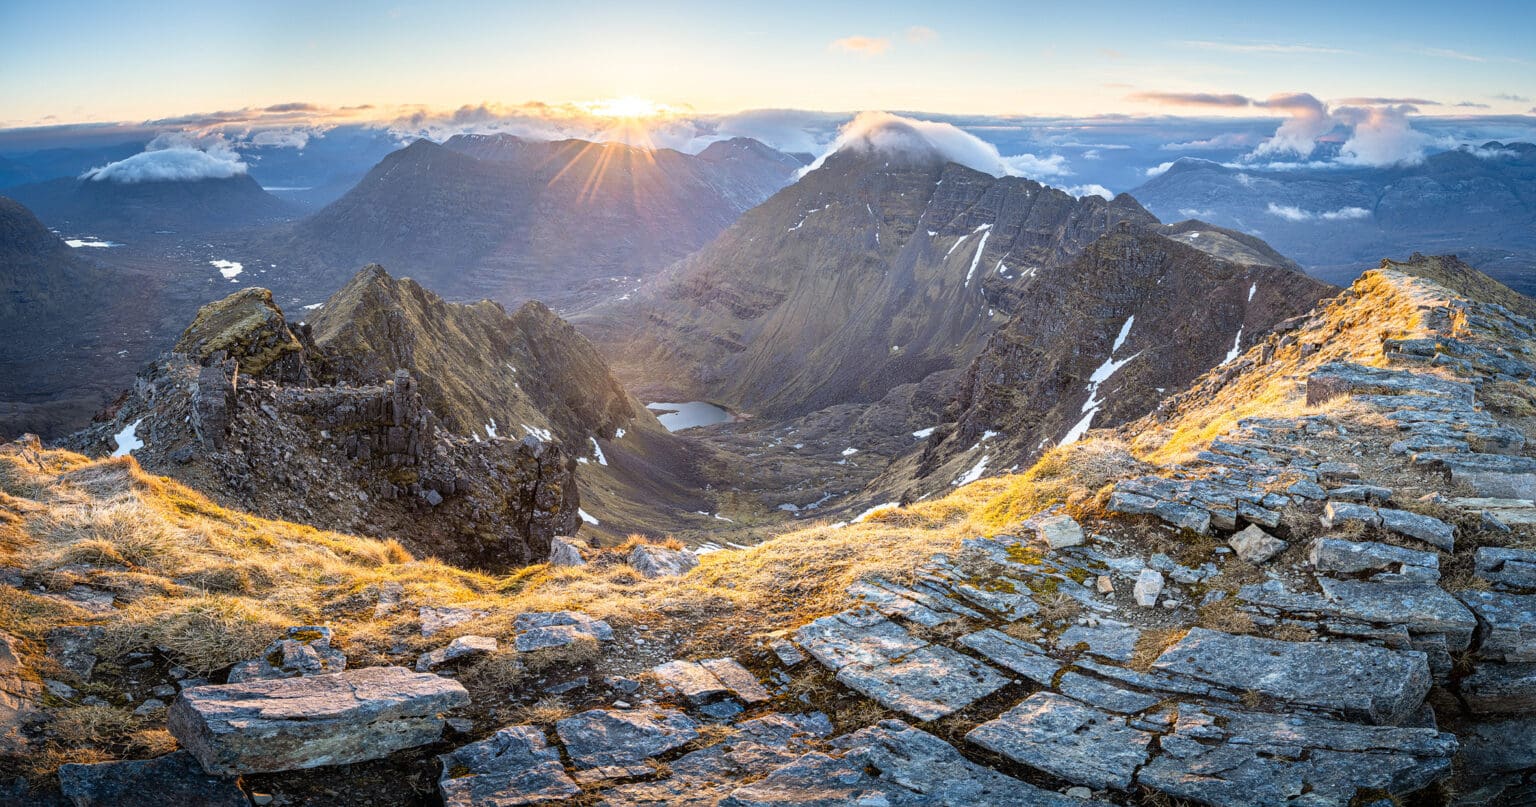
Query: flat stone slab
point(1508, 567)
point(1362, 682)
point(1507, 624)
point(927, 684)
point(1339, 556)
point(701, 778)
point(859, 636)
point(1114, 642)
point(1067, 739)
point(894, 765)
point(1017, 655)
point(1507, 746)
point(1428, 529)
point(596, 628)
point(710, 680)
point(516, 765)
point(618, 741)
point(292, 723)
point(1420, 607)
point(461, 647)
point(1491, 475)
point(1495, 688)
point(173, 779)
point(1248, 759)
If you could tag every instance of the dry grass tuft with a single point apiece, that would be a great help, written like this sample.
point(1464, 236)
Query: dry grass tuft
point(545, 711)
point(1151, 644)
point(202, 633)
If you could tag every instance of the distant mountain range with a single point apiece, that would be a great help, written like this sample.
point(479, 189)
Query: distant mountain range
point(1477, 202)
point(496, 216)
point(131, 211)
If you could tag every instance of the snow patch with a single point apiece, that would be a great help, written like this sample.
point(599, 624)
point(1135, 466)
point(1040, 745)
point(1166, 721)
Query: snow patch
point(542, 434)
point(128, 439)
point(864, 516)
point(598, 450)
point(986, 232)
point(923, 434)
point(77, 243)
point(1237, 348)
point(1100, 375)
point(490, 429)
point(975, 473)
point(587, 517)
point(229, 269)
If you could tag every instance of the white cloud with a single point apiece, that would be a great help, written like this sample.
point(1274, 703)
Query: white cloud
point(281, 138)
point(884, 133)
point(1160, 169)
point(1309, 120)
point(1381, 136)
point(1293, 213)
point(174, 157)
point(1090, 189)
point(921, 33)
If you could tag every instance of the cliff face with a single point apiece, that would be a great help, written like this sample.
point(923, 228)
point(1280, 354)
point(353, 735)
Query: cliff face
point(864, 275)
point(1136, 315)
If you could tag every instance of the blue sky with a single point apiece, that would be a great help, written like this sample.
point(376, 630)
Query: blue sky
point(101, 61)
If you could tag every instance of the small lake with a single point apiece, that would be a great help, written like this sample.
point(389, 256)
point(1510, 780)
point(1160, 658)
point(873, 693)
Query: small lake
point(679, 416)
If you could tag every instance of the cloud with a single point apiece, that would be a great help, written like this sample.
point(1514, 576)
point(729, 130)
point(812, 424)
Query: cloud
point(1508, 96)
point(292, 106)
point(861, 45)
point(1447, 53)
point(1472, 105)
point(1191, 99)
point(1111, 53)
point(1225, 140)
point(1090, 189)
point(1381, 136)
point(919, 34)
point(1293, 213)
point(174, 157)
point(896, 136)
point(281, 138)
point(1259, 47)
point(1298, 135)
point(1160, 169)
point(1378, 101)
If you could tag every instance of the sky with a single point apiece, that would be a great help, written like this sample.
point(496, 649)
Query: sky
point(69, 61)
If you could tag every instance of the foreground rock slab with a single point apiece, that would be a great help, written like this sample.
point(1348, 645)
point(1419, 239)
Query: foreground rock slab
point(1247, 759)
point(516, 765)
point(1359, 681)
point(293, 723)
point(613, 743)
point(175, 778)
point(1064, 738)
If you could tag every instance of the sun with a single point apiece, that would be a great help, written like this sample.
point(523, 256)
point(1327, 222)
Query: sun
point(630, 107)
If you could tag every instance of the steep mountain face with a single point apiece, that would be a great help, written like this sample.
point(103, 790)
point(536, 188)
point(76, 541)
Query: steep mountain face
point(1337, 221)
point(53, 307)
point(872, 271)
point(566, 222)
point(134, 210)
point(458, 429)
point(1136, 316)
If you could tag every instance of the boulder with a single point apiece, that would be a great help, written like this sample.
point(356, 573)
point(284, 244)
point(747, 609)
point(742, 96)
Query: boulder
point(174, 779)
point(652, 561)
point(1515, 568)
point(304, 650)
point(1337, 514)
point(1495, 688)
point(710, 680)
point(459, 648)
point(1339, 556)
point(1506, 624)
point(292, 723)
point(564, 553)
point(616, 743)
point(1256, 546)
point(1359, 681)
point(1507, 746)
point(1060, 532)
point(1430, 530)
point(1149, 586)
point(516, 765)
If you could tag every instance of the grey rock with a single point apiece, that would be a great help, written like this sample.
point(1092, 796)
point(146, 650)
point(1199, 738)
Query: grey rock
point(928, 683)
point(564, 553)
point(1360, 681)
point(1506, 624)
point(1421, 607)
point(1495, 688)
point(1361, 494)
point(1103, 695)
point(788, 654)
point(615, 743)
point(303, 650)
point(1430, 530)
point(1493, 475)
point(1060, 532)
point(654, 561)
point(1067, 739)
point(550, 636)
point(149, 707)
point(859, 636)
point(1508, 567)
point(1337, 514)
point(1149, 586)
point(1343, 378)
point(292, 723)
point(514, 766)
point(175, 778)
point(710, 680)
point(74, 648)
point(1113, 642)
point(461, 647)
point(1017, 655)
point(701, 778)
point(1248, 759)
point(1256, 546)
point(596, 628)
point(1499, 747)
point(1355, 557)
